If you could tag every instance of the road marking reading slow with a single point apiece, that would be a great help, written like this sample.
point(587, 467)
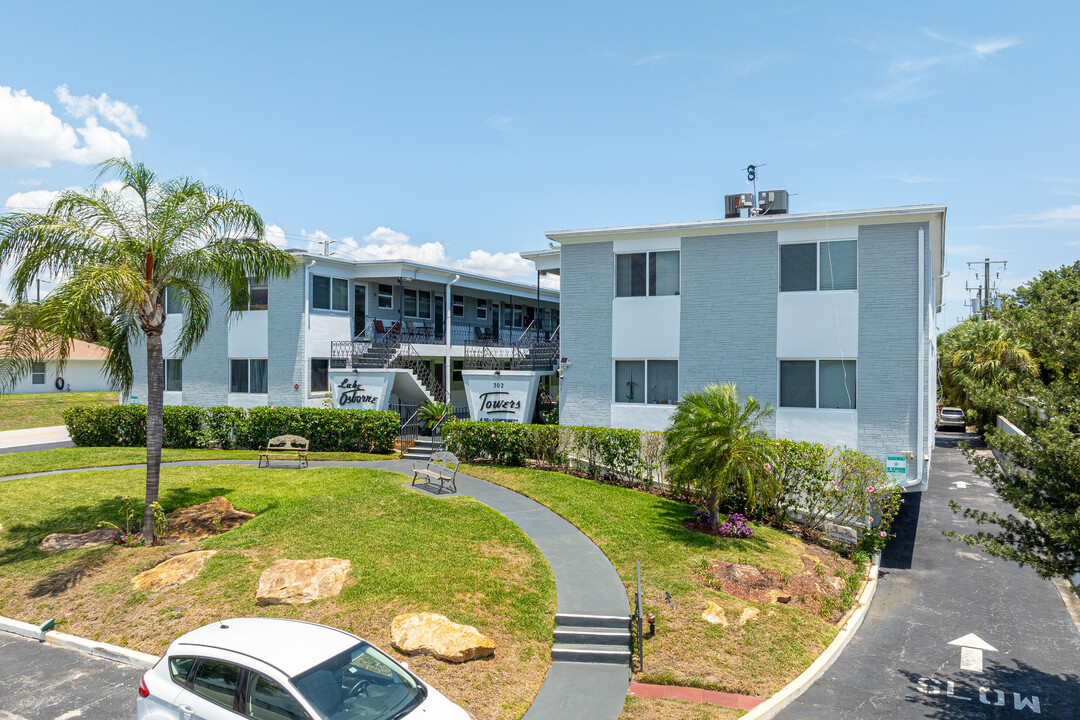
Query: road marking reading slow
point(987, 696)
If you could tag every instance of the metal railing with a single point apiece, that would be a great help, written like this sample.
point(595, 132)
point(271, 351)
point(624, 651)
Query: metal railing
point(410, 425)
point(408, 359)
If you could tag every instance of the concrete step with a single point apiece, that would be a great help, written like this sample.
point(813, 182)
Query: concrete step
point(579, 652)
point(593, 636)
point(621, 622)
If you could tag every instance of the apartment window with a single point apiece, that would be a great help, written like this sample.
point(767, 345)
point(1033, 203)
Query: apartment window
point(655, 382)
point(652, 273)
point(508, 315)
point(320, 375)
point(481, 309)
point(456, 366)
point(174, 301)
point(818, 384)
point(248, 376)
point(829, 265)
point(329, 293)
point(174, 375)
point(37, 373)
point(386, 297)
point(417, 303)
point(519, 316)
point(457, 305)
point(258, 297)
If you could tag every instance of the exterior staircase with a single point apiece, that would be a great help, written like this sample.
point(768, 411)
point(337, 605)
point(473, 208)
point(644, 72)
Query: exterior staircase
point(591, 639)
point(423, 448)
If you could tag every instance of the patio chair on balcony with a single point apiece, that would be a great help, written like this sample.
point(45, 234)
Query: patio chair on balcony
point(380, 329)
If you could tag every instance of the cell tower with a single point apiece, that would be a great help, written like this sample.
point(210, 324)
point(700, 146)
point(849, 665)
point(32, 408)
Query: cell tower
point(985, 289)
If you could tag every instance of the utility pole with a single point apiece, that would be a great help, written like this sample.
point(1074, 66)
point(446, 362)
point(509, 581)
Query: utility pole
point(983, 291)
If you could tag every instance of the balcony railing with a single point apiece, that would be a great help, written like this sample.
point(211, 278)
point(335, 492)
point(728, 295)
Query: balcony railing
point(423, 332)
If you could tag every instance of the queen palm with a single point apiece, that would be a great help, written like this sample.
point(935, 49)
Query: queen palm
point(716, 446)
point(116, 250)
point(978, 354)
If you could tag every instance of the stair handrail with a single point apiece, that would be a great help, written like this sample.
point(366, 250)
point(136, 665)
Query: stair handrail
point(413, 424)
point(408, 358)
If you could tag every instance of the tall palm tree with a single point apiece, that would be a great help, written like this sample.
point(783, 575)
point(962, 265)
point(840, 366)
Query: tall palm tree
point(982, 355)
point(716, 446)
point(116, 251)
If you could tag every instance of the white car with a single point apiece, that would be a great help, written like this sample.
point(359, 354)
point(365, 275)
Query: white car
point(273, 669)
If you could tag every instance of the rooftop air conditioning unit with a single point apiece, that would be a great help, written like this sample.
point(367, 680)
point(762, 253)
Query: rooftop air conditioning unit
point(773, 202)
point(733, 204)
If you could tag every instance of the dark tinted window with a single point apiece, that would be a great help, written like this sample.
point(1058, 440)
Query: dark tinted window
point(798, 267)
point(216, 681)
point(320, 375)
point(320, 292)
point(269, 701)
point(798, 384)
point(180, 668)
point(630, 275)
point(238, 382)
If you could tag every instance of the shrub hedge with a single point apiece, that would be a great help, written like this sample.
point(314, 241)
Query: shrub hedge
point(195, 427)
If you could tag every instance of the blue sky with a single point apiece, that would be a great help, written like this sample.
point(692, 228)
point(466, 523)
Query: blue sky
point(460, 132)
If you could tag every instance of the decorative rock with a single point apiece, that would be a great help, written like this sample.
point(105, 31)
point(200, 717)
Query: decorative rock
point(836, 582)
point(67, 541)
point(207, 519)
point(745, 574)
point(173, 572)
point(433, 634)
point(715, 614)
point(779, 596)
point(747, 615)
point(296, 582)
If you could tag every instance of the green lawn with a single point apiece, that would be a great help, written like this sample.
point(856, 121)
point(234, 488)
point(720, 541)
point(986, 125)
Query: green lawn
point(410, 552)
point(28, 410)
point(72, 458)
point(629, 525)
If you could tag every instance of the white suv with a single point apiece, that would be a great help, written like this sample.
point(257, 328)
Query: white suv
point(272, 669)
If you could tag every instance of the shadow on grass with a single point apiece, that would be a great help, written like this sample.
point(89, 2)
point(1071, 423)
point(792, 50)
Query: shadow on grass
point(70, 575)
point(670, 517)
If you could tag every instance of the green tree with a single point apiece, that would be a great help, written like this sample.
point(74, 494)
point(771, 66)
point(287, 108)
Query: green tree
point(981, 360)
point(717, 447)
point(1040, 472)
point(115, 253)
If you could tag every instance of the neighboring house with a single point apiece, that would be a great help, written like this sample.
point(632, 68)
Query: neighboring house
point(371, 334)
point(84, 371)
point(828, 317)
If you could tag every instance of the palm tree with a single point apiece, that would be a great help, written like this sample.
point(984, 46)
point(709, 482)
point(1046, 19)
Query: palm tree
point(116, 252)
point(978, 355)
point(715, 445)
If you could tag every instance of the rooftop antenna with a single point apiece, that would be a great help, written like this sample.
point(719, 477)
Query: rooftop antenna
point(751, 177)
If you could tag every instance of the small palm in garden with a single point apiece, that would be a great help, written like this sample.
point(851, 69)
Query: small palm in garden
point(717, 447)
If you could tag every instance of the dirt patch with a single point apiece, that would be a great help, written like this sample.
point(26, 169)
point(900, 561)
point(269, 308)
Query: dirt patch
point(819, 587)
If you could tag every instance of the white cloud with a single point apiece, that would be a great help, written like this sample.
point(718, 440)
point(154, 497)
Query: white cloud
point(32, 182)
point(274, 235)
point(31, 201)
point(500, 122)
point(32, 136)
point(125, 117)
point(910, 178)
point(1055, 217)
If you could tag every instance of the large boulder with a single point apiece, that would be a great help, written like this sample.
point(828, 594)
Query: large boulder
point(207, 519)
point(714, 614)
point(433, 634)
point(172, 572)
point(296, 582)
point(69, 541)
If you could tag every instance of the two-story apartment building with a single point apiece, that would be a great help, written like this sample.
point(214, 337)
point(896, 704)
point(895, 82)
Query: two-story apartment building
point(828, 317)
point(363, 334)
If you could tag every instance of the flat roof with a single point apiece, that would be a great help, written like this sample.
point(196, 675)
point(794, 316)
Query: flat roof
point(741, 222)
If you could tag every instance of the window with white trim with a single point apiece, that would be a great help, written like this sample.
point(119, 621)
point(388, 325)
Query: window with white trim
point(386, 297)
point(174, 375)
point(458, 306)
point(647, 274)
point(823, 384)
point(258, 297)
point(329, 293)
point(174, 301)
point(320, 375)
point(825, 265)
point(655, 382)
point(481, 309)
point(37, 373)
point(248, 376)
point(417, 303)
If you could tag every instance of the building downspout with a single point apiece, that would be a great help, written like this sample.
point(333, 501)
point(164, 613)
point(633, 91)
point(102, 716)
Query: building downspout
point(447, 309)
point(923, 447)
point(305, 365)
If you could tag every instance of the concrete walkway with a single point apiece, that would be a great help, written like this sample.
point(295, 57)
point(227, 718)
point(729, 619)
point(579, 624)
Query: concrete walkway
point(585, 581)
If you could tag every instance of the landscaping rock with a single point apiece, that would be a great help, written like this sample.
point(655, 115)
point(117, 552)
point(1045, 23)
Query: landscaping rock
point(747, 615)
point(68, 541)
point(744, 574)
point(207, 519)
point(296, 582)
point(433, 634)
point(836, 582)
point(779, 596)
point(715, 614)
point(172, 572)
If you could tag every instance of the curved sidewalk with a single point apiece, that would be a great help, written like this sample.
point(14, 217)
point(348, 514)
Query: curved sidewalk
point(585, 582)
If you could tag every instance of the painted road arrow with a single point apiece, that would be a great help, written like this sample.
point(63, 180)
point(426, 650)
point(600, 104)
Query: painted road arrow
point(971, 651)
point(960, 485)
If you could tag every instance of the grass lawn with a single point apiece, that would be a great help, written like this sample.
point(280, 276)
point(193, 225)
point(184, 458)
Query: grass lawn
point(27, 410)
point(409, 552)
point(756, 659)
point(72, 458)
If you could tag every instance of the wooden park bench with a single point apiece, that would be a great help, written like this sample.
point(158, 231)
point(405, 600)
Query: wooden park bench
point(441, 467)
point(285, 447)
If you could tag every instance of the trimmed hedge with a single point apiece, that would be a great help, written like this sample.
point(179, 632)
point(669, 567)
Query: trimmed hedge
point(195, 427)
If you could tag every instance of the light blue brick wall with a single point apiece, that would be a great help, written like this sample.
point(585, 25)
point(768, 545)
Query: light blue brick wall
point(587, 290)
point(285, 341)
point(728, 324)
point(206, 368)
point(888, 363)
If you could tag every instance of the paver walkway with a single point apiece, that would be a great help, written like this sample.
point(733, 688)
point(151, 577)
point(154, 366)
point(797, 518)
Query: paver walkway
point(585, 582)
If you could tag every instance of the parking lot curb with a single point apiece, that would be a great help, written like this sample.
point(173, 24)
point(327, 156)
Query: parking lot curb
point(90, 647)
point(799, 685)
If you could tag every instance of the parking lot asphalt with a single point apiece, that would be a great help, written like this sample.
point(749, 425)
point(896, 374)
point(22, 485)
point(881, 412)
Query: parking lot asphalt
point(952, 634)
point(45, 682)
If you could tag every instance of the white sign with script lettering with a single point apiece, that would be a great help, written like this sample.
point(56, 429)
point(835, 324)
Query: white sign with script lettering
point(362, 390)
point(509, 396)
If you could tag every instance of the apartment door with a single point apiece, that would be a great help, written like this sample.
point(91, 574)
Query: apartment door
point(359, 309)
point(440, 318)
point(495, 320)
